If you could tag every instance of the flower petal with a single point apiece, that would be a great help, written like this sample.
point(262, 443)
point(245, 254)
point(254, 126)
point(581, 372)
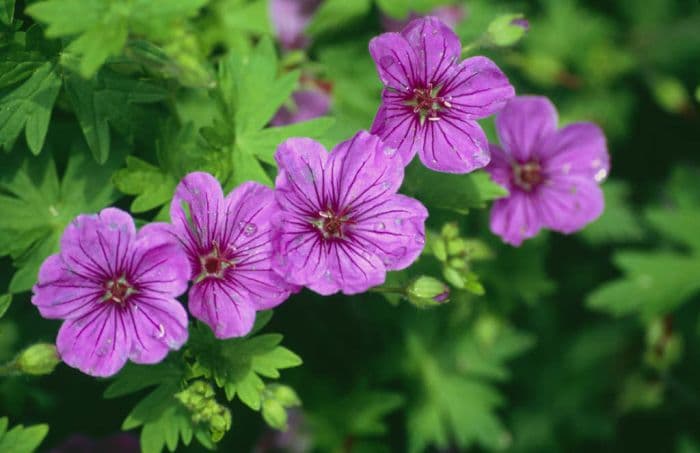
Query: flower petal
point(477, 88)
point(157, 261)
point(250, 207)
point(436, 45)
point(568, 203)
point(96, 343)
point(97, 246)
point(361, 173)
point(155, 325)
point(396, 61)
point(577, 149)
point(60, 294)
point(523, 125)
point(300, 179)
point(300, 253)
point(500, 167)
point(515, 218)
point(398, 126)
point(454, 146)
point(309, 104)
point(393, 230)
point(220, 305)
point(351, 269)
point(196, 211)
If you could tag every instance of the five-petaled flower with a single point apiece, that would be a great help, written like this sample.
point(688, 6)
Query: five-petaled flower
point(552, 175)
point(340, 224)
point(116, 290)
point(227, 241)
point(430, 101)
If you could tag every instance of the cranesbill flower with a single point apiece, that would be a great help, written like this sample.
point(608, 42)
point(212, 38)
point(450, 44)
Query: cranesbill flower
point(227, 241)
point(340, 224)
point(552, 175)
point(116, 289)
point(431, 101)
point(290, 18)
point(308, 104)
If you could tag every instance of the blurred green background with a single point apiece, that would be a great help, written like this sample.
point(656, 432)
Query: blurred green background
point(578, 343)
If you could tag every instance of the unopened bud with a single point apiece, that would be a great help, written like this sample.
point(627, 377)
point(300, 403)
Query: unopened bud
point(507, 30)
point(427, 291)
point(38, 359)
point(274, 414)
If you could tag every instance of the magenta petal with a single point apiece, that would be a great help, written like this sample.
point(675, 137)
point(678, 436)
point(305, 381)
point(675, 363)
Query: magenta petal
point(161, 262)
point(524, 124)
point(362, 171)
point(500, 167)
point(515, 218)
point(436, 44)
point(155, 325)
point(251, 207)
point(220, 305)
point(393, 230)
point(454, 146)
point(567, 204)
point(300, 255)
point(577, 149)
point(196, 210)
point(308, 104)
point(396, 60)
point(478, 88)
point(398, 126)
point(97, 245)
point(95, 343)
point(302, 163)
point(351, 269)
point(59, 294)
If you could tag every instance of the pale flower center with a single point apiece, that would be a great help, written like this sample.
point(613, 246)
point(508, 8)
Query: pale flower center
point(426, 102)
point(330, 224)
point(118, 290)
point(214, 263)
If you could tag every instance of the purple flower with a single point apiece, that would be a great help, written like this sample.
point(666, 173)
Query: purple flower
point(450, 15)
point(522, 23)
point(341, 225)
point(290, 18)
point(308, 104)
point(227, 241)
point(431, 102)
point(552, 175)
point(116, 289)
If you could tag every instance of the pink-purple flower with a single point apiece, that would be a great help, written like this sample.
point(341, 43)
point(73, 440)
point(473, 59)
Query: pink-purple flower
point(552, 175)
point(431, 101)
point(227, 240)
point(115, 288)
point(340, 224)
point(307, 104)
point(290, 18)
point(450, 15)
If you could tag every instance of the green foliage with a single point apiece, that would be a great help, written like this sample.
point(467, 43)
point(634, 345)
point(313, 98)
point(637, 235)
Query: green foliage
point(100, 29)
point(454, 192)
point(37, 206)
point(239, 364)
point(20, 439)
point(5, 300)
point(29, 107)
point(336, 13)
point(619, 223)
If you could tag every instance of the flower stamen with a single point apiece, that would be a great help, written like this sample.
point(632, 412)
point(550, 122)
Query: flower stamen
point(528, 176)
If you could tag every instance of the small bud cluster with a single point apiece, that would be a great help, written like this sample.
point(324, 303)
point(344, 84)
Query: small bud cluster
point(277, 399)
point(199, 399)
point(456, 254)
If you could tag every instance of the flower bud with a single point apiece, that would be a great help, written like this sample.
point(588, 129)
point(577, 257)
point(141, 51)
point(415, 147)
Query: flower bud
point(450, 231)
point(274, 414)
point(427, 291)
point(507, 30)
point(284, 394)
point(38, 359)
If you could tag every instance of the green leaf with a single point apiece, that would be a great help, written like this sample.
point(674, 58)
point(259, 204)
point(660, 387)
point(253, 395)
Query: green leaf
point(150, 184)
point(252, 17)
point(264, 143)
point(38, 207)
point(247, 168)
point(619, 223)
point(333, 14)
point(679, 224)
point(5, 300)
point(29, 107)
point(653, 284)
point(20, 439)
point(236, 365)
point(400, 9)
point(454, 192)
point(133, 378)
point(7, 11)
